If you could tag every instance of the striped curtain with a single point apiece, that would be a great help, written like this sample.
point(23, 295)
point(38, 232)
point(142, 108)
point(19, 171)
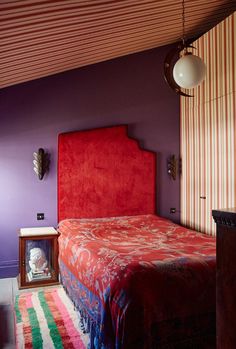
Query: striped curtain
point(208, 132)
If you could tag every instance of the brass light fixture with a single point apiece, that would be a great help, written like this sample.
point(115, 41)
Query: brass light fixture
point(41, 163)
point(172, 167)
point(189, 70)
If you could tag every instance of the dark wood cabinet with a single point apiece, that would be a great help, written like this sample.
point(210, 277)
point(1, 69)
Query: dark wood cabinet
point(38, 257)
point(226, 278)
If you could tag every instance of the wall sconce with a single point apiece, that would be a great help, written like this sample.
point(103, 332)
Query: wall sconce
point(41, 163)
point(172, 167)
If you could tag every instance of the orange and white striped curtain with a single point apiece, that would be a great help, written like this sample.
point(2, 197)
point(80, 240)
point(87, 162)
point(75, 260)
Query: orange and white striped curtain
point(208, 132)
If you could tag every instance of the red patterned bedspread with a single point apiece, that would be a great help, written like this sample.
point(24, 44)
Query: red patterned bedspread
point(141, 281)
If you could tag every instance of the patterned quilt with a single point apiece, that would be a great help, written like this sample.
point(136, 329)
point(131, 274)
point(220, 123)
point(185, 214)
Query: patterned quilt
point(140, 281)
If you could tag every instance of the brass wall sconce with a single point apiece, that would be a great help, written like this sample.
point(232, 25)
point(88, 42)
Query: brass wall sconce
point(41, 163)
point(172, 167)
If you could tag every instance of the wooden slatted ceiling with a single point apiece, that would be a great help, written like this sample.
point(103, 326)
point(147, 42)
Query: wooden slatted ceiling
point(40, 38)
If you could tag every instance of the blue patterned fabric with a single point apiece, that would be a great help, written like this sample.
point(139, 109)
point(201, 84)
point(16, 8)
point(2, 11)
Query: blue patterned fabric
point(90, 307)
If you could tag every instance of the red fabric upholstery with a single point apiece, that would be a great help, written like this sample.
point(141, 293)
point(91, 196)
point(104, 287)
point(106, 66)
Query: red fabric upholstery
point(103, 173)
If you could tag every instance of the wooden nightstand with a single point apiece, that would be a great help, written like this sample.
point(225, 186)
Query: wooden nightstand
point(38, 257)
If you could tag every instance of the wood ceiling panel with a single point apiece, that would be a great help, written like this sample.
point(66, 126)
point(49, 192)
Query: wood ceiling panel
point(40, 37)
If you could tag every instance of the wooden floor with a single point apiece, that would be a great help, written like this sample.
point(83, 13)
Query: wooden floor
point(8, 291)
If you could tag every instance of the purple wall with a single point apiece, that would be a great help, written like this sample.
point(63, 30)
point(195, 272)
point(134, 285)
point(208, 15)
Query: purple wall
point(129, 90)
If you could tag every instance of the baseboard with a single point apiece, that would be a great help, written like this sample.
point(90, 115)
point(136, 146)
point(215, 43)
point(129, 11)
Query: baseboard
point(9, 268)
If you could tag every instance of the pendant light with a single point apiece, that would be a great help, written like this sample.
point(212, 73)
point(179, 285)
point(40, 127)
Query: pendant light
point(189, 70)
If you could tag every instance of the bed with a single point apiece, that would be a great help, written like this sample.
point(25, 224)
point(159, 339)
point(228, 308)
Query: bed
point(138, 280)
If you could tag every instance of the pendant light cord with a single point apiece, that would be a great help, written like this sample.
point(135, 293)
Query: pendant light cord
point(183, 23)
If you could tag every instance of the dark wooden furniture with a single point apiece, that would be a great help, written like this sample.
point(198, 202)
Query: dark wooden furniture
point(39, 240)
point(226, 278)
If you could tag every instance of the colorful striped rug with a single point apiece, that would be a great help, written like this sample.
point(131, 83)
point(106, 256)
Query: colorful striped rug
point(47, 319)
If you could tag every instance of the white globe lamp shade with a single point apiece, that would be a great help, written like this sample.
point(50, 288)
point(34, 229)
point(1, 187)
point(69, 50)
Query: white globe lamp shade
point(189, 71)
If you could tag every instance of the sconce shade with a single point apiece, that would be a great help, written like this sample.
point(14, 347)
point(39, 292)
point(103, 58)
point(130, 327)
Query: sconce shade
point(172, 167)
point(189, 71)
point(41, 163)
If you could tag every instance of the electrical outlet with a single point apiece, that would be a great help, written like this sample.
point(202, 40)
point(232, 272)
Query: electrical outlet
point(172, 210)
point(40, 216)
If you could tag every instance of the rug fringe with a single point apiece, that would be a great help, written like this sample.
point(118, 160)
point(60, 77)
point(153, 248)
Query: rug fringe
point(87, 324)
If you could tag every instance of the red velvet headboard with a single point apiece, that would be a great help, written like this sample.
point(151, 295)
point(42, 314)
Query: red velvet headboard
point(104, 173)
